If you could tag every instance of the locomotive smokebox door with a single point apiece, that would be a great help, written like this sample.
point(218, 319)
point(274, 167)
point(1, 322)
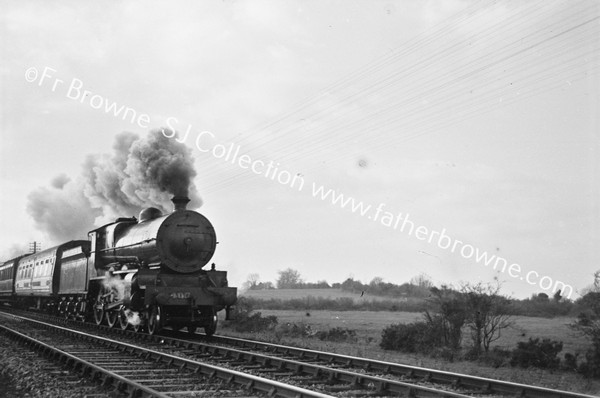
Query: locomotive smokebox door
point(186, 241)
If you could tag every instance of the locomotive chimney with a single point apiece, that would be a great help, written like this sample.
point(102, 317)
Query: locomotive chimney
point(180, 202)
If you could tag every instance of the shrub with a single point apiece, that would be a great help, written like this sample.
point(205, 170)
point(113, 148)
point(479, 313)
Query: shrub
point(410, 337)
point(246, 320)
point(591, 366)
point(535, 353)
point(588, 324)
point(496, 357)
point(337, 334)
point(570, 362)
point(255, 323)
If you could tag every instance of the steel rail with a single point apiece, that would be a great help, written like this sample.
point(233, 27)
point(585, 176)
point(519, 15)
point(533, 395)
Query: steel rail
point(364, 381)
point(481, 384)
point(371, 383)
point(437, 376)
point(247, 381)
point(86, 368)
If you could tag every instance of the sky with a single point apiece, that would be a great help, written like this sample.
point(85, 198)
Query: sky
point(475, 121)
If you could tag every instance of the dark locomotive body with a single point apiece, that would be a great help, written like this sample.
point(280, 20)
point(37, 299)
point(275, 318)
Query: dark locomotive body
point(145, 273)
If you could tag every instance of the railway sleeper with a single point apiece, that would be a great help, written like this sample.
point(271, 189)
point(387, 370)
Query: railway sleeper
point(283, 374)
point(252, 366)
point(341, 387)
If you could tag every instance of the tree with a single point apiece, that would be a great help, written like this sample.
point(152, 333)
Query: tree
point(353, 286)
point(450, 316)
point(588, 324)
point(422, 280)
point(376, 281)
point(543, 297)
point(487, 314)
point(288, 279)
point(252, 282)
point(376, 286)
point(557, 296)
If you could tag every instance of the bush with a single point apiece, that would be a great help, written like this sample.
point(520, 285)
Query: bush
point(410, 337)
point(591, 366)
point(588, 325)
point(255, 323)
point(337, 334)
point(248, 321)
point(570, 362)
point(535, 353)
point(496, 357)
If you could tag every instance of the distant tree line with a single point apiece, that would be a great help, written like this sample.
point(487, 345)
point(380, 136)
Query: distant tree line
point(290, 278)
point(419, 287)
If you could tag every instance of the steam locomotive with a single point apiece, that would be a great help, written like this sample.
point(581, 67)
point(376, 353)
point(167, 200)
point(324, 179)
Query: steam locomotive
point(144, 273)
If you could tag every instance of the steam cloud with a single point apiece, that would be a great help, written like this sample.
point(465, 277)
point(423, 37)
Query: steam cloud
point(141, 172)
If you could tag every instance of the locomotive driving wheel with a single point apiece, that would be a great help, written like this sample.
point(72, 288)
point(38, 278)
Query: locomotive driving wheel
point(155, 319)
point(99, 308)
point(111, 318)
point(123, 320)
point(138, 327)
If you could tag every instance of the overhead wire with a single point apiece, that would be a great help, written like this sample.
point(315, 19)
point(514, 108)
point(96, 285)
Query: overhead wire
point(378, 121)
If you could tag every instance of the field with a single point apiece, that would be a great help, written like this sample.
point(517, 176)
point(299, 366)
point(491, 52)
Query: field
point(288, 294)
point(369, 325)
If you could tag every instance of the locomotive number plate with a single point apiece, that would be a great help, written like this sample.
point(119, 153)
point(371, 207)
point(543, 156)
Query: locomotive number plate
point(180, 295)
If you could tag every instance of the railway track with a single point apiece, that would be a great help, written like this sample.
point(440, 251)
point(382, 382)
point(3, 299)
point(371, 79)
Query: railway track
point(136, 371)
point(405, 372)
point(325, 373)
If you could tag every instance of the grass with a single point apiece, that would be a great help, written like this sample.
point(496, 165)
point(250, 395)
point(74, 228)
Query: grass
point(369, 325)
point(288, 294)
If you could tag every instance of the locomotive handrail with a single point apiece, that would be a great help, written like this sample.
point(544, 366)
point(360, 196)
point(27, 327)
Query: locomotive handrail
point(120, 247)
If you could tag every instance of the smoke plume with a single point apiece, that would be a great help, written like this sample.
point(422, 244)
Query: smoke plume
point(140, 172)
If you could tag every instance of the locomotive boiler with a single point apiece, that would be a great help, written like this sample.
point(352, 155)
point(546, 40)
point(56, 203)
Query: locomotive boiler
point(149, 272)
